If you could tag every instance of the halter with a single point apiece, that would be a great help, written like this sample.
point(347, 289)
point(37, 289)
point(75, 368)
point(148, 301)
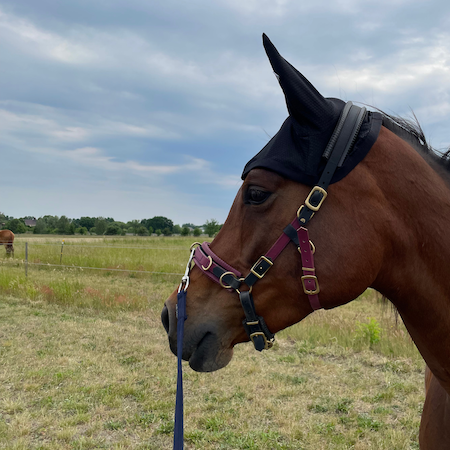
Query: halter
point(339, 146)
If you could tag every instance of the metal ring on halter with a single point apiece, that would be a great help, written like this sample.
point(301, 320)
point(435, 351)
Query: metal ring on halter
point(209, 265)
point(313, 247)
point(193, 245)
point(239, 292)
point(220, 279)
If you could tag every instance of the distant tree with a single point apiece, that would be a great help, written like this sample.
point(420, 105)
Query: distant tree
point(113, 229)
point(189, 225)
point(158, 232)
point(158, 222)
point(176, 229)
point(93, 230)
point(100, 225)
point(62, 226)
point(51, 222)
point(211, 227)
point(150, 230)
point(185, 231)
point(41, 226)
point(81, 230)
point(167, 231)
point(142, 231)
point(197, 231)
point(87, 222)
point(16, 226)
point(134, 226)
point(144, 222)
point(71, 229)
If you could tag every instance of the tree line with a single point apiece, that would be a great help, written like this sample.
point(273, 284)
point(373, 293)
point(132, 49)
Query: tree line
point(158, 225)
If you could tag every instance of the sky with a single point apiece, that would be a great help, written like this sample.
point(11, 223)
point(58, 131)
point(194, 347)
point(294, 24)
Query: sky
point(134, 108)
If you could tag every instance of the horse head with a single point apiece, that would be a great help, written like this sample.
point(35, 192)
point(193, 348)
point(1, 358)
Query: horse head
point(347, 233)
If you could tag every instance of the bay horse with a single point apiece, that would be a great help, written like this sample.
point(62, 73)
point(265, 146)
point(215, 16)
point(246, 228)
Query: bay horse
point(7, 239)
point(371, 208)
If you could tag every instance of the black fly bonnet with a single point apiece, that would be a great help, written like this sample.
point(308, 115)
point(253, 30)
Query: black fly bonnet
point(298, 150)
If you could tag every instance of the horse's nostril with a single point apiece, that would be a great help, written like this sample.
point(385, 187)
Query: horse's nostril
point(165, 318)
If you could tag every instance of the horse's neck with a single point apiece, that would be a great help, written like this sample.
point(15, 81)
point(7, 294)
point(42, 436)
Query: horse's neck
point(416, 271)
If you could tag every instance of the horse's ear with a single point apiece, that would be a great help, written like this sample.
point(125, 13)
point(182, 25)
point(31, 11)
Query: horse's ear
point(304, 102)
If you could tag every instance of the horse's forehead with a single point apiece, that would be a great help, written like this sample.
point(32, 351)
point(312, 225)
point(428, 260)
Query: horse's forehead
point(263, 177)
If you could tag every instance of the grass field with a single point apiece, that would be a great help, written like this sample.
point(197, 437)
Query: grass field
point(84, 363)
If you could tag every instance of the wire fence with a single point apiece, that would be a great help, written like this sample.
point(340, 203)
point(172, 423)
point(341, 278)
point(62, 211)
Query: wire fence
point(26, 262)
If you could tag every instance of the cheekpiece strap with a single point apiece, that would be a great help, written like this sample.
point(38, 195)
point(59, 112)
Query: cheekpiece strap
point(309, 279)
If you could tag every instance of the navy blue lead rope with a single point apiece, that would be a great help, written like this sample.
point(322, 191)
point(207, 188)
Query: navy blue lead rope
point(178, 434)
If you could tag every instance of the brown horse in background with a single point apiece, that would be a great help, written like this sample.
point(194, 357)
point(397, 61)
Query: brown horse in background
point(7, 239)
point(385, 225)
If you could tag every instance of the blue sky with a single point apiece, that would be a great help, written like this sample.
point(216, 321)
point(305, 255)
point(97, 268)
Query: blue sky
point(132, 109)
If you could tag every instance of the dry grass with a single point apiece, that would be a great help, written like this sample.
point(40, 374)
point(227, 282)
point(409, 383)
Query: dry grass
point(79, 372)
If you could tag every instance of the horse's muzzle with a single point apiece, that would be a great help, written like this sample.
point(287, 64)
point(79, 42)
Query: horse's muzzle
point(202, 346)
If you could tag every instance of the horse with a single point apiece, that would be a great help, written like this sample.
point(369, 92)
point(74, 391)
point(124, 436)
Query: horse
point(374, 214)
point(7, 239)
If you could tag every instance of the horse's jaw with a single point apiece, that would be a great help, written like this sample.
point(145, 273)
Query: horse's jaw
point(209, 356)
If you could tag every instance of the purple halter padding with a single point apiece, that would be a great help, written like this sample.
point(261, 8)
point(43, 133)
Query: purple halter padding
point(201, 260)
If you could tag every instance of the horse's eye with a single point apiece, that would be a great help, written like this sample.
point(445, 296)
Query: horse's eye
point(256, 196)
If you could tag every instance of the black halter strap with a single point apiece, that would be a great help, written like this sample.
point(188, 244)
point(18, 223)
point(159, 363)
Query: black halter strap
point(339, 146)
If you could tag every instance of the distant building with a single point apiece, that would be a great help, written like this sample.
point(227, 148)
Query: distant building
point(30, 222)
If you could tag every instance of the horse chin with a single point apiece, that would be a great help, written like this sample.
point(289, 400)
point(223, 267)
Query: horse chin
point(207, 357)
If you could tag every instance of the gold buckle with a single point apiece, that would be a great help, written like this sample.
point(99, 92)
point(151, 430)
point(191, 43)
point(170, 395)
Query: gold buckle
point(308, 291)
point(316, 189)
point(267, 344)
point(262, 258)
point(313, 247)
point(252, 323)
point(209, 265)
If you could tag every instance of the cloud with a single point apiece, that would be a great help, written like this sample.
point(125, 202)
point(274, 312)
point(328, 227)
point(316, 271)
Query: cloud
point(32, 40)
point(168, 100)
point(199, 168)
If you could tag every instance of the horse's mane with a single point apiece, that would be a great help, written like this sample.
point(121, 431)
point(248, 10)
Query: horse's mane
point(411, 132)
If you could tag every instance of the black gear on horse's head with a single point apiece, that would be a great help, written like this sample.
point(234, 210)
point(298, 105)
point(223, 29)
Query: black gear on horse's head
point(295, 152)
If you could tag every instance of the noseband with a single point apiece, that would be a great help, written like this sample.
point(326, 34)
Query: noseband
point(340, 144)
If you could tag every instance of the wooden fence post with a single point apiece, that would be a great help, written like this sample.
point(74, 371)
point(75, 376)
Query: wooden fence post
point(62, 246)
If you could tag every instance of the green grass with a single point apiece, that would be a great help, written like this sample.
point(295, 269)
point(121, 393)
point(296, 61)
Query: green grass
point(85, 364)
